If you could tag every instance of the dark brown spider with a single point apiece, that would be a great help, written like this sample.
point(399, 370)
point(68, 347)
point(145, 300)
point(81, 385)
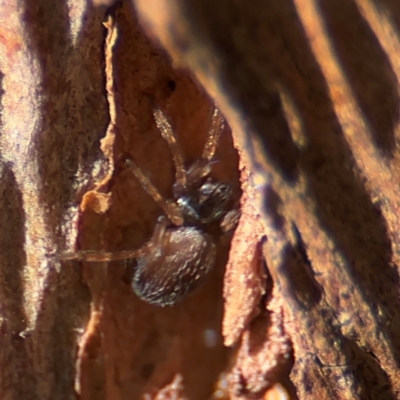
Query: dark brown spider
point(182, 249)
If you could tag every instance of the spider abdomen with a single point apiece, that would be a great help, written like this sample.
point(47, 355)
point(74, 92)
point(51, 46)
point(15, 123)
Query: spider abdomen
point(175, 267)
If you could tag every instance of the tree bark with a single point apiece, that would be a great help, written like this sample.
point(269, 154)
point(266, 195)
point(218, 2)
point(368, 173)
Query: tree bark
point(303, 301)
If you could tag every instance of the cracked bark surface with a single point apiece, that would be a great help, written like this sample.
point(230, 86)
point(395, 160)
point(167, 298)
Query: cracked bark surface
point(304, 301)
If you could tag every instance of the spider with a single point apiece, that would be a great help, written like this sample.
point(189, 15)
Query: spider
point(182, 248)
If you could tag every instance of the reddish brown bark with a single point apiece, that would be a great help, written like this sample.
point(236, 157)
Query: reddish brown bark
point(304, 302)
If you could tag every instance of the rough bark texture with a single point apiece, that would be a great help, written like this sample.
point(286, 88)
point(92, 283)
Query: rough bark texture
point(311, 91)
point(303, 303)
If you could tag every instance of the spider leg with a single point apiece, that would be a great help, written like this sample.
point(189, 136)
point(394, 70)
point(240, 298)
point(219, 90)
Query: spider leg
point(230, 221)
point(170, 208)
point(158, 239)
point(159, 230)
point(176, 151)
point(101, 256)
point(202, 167)
point(216, 128)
